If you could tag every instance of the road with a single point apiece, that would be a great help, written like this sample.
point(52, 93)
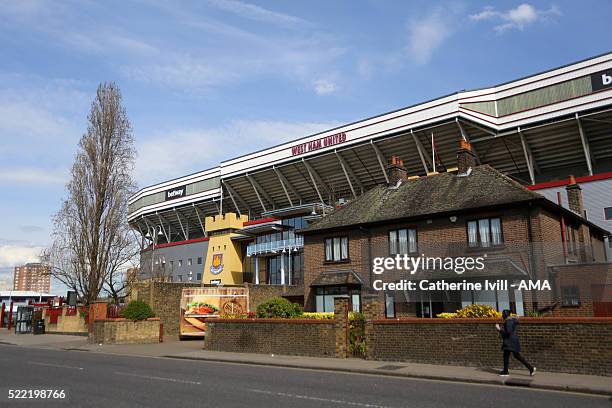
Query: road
point(106, 380)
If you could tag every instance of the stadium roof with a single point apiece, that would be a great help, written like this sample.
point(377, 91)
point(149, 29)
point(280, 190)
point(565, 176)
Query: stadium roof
point(534, 129)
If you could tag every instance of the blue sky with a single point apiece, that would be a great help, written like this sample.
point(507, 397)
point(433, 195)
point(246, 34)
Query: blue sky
point(204, 81)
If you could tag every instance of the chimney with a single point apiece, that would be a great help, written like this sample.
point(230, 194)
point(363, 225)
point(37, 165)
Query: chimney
point(396, 171)
point(574, 196)
point(465, 157)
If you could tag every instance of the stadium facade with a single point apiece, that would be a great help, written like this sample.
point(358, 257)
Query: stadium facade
point(538, 130)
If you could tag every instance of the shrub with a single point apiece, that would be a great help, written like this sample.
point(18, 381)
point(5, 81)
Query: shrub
point(279, 307)
point(318, 315)
point(475, 311)
point(137, 310)
point(447, 315)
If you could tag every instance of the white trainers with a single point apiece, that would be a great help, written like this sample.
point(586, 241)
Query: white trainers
point(532, 373)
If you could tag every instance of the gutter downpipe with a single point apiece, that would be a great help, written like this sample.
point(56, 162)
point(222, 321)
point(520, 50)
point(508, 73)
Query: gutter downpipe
point(369, 235)
point(563, 232)
point(531, 253)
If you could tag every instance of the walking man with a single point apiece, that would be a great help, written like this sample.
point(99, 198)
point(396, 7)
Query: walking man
point(511, 344)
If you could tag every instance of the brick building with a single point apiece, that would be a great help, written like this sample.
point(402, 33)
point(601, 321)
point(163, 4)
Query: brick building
point(469, 211)
point(32, 277)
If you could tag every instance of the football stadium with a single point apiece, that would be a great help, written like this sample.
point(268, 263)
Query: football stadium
point(539, 130)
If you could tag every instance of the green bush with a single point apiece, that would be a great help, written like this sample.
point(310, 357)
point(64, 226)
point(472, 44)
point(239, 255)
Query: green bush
point(472, 311)
point(137, 310)
point(279, 307)
point(318, 315)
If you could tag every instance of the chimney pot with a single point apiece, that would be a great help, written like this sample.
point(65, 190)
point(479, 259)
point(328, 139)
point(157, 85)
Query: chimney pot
point(396, 171)
point(464, 144)
point(465, 157)
point(574, 196)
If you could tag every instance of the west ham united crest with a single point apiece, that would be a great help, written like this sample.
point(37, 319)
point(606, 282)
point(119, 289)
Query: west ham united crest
point(217, 264)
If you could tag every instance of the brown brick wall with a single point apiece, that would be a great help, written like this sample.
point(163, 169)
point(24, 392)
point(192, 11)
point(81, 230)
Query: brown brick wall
point(588, 278)
point(122, 331)
point(581, 346)
point(165, 300)
point(272, 336)
point(260, 293)
point(440, 237)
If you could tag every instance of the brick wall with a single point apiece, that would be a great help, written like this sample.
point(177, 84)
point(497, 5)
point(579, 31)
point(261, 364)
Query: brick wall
point(439, 236)
point(260, 293)
point(590, 279)
point(582, 346)
point(165, 300)
point(122, 331)
point(315, 338)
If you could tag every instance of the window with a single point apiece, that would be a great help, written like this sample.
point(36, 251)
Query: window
point(402, 241)
point(180, 278)
point(324, 297)
point(485, 232)
point(189, 262)
point(570, 296)
point(336, 249)
point(180, 263)
point(608, 213)
point(199, 276)
point(199, 260)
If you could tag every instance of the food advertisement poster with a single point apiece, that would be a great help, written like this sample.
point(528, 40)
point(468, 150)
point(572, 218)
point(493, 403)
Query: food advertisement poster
point(199, 304)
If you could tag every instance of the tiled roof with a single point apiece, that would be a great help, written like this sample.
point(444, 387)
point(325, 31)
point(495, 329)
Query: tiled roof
point(337, 277)
point(427, 196)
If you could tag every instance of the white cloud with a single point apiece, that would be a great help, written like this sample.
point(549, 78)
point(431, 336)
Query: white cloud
point(518, 17)
point(13, 255)
point(257, 13)
point(324, 87)
point(427, 34)
point(32, 176)
point(182, 71)
point(178, 152)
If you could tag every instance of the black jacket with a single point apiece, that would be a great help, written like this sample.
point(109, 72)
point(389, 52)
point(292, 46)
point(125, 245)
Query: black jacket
point(509, 334)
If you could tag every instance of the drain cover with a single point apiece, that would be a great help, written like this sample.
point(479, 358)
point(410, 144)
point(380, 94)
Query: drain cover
point(390, 367)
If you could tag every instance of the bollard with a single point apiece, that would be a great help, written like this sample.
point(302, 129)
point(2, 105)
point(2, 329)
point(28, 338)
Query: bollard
point(10, 316)
point(2, 316)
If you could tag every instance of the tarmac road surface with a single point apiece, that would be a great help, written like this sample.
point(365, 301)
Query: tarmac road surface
point(104, 380)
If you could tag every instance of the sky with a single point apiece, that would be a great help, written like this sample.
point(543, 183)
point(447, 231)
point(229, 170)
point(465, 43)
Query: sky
point(205, 81)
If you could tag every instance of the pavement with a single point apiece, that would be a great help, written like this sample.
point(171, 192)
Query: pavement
point(100, 379)
point(172, 348)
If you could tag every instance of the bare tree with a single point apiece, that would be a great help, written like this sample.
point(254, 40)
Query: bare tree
point(91, 240)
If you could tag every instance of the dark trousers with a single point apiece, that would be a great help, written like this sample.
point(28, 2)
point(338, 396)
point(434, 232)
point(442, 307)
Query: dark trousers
point(518, 356)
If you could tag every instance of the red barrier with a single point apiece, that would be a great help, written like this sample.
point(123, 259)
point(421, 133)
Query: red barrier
point(10, 316)
point(53, 314)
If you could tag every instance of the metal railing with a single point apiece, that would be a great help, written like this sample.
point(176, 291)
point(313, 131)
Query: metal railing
point(274, 246)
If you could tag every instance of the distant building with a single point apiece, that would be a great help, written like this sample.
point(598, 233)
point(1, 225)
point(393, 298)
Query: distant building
point(32, 277)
